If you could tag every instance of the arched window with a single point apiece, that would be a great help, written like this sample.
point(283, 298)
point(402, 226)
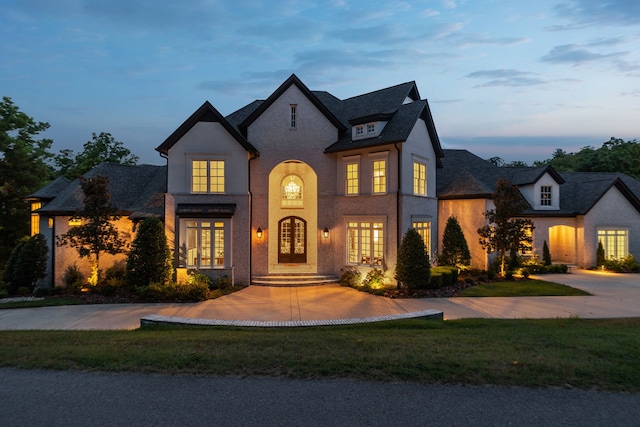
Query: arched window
point(292, 191)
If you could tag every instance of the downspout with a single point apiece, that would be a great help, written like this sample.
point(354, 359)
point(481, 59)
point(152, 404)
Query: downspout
point(176, 260)
point(398, 202)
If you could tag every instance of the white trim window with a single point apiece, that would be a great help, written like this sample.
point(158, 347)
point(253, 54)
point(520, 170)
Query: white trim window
point(205, 242)
point(419, 179)
point(379, 175)
point(615, 243)
point(207, 176)
point(371, 128)
point(365, 243)
point(359, 130)
point(424, 230)
point(35, 218)
point(353, 178)
point(545, 195)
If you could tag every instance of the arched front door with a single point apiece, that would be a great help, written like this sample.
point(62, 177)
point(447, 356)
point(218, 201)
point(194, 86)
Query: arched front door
point(292, 240)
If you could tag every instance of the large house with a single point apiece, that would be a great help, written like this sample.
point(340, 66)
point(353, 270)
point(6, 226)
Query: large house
point(301, 185)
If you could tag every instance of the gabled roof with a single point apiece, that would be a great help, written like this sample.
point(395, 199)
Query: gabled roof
point(137, 191)
point(206, 113)
point(466, 176)
point(293, 80)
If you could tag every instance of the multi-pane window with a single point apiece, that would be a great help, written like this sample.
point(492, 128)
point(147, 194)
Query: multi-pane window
point(615, 243)
point(205, 244)
point(294, 122)
point(365, 244)
point(424, 230)
point(35, 218)
point(419, 179)
point(207, 176)
point(380, 176)
point(353, 186)
point(292, 191)
point(545, 195)
point(359, 130)
point(371, 127)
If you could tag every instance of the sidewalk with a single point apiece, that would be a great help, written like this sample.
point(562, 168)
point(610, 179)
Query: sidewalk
point(615, 295)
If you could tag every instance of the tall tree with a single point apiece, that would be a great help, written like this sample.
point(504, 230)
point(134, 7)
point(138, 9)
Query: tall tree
point(455, 250)
point(102, 148)
point(23, 169)
point(506, 231)
point(97, 234)
point(150, 258)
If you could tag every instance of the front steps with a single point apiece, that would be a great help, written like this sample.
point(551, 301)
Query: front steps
point(293, 280)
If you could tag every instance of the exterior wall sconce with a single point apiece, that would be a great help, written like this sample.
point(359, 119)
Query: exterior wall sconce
point(259, 233)
point(325, 233)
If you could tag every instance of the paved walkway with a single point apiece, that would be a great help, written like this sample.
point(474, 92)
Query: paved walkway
point(615, 295)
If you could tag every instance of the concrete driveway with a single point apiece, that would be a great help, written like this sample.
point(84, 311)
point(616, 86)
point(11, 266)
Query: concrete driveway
point(614, 295)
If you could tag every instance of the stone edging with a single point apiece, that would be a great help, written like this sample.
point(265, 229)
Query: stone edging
point(156, 319)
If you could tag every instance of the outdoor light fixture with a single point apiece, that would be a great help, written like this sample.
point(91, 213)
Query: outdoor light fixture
point(259, 233)
point(325, 233)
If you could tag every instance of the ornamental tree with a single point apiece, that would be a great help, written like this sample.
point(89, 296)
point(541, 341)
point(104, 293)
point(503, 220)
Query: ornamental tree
point(97, 234)
point(412, 267)
point(455, 250)
point(506, 231)
point(150, 258)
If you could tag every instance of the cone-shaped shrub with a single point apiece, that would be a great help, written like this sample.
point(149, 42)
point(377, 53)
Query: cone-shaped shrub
point(150, 258)
point(412, 267)
point(546, 255)
point(455, 251)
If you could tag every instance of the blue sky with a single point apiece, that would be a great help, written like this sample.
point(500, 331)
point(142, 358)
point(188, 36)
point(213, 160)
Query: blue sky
point(508, 78)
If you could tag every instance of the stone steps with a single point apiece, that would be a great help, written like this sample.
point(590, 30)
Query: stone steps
point(293, 280)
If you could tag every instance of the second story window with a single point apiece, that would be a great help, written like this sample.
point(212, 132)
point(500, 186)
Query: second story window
point(294, 119)
point(292, 191)
point(545, 195)
point(379, 176)
point(419, 179)
point(359, 130)
point(35, 218)
point(353, 185)
point(207, 176)
point(371, 127)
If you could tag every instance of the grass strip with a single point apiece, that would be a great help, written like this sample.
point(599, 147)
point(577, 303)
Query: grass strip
point(522, 288)
point(587, 354)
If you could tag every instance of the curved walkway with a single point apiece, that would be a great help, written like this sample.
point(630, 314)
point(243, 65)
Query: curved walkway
point(614, 295)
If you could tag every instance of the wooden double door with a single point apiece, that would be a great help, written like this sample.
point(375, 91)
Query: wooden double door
point(292, 240)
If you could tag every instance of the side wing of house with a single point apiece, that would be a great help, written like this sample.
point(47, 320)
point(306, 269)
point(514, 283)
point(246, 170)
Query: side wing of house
point(207, 206)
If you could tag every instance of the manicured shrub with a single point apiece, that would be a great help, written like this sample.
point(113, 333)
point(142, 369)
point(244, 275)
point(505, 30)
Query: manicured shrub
point(525, 273)
point(374, 279)
point(174, 292)
point(600, 260)
point(546, 255)
point(508, 275)
point(150, 257)
point(351, 277)
point(116, 275)
point(198, 278)
point(436, 281)
point(455, 250)
point(73, 279)
point(223, 282)
point(412, 267)
point(446, 273)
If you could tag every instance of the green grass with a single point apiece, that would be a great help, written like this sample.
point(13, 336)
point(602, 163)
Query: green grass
point(522, 288)
point(588, 354)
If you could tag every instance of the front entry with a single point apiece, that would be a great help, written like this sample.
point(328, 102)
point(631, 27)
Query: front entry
point(292, 240)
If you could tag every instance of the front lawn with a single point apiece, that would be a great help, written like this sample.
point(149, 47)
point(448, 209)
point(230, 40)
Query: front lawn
point(521, 288)
point(588, 354)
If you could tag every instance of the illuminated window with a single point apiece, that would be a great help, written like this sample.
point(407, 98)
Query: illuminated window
point(205, 244)
point(35, 218)
point(292, 191)
point(419, 179)
point(207, 176)
point(424, 230)
point(75, 222)
point(380, 176)
point(615, 243)
point(365, 245)
point(293, 124)
point(545, 195)
point(353, 185)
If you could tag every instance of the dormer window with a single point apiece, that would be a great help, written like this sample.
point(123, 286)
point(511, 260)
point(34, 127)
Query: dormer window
point(359, 130)
point(545, 195)
point(371, 127)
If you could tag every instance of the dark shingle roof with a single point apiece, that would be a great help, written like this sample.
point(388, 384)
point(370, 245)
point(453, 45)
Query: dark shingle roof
point(51, 190)
point(465, 175)
point(137, 191)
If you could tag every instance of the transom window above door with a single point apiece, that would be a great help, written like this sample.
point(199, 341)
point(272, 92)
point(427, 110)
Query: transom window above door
point(292, 191)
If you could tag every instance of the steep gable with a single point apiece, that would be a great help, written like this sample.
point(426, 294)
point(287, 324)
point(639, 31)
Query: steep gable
point(206, 113)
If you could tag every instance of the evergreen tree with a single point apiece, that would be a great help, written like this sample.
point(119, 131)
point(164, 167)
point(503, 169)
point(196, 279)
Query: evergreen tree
point(546, 255)
point(27, 263)
point(97, 234)
point(412, 268)
point(600, 257)
point(455, 251)
point(150, 258)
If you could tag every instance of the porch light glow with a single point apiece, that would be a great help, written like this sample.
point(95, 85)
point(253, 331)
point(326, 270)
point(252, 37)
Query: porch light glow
point(325, 233)
point(259, 233)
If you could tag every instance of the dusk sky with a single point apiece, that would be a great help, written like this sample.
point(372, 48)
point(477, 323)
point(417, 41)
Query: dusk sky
point(509, 78)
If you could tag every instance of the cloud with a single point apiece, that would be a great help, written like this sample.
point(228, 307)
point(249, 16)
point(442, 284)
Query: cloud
point(506, 77)
point(576, 54)
point(469, 39)
point(598, 12)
